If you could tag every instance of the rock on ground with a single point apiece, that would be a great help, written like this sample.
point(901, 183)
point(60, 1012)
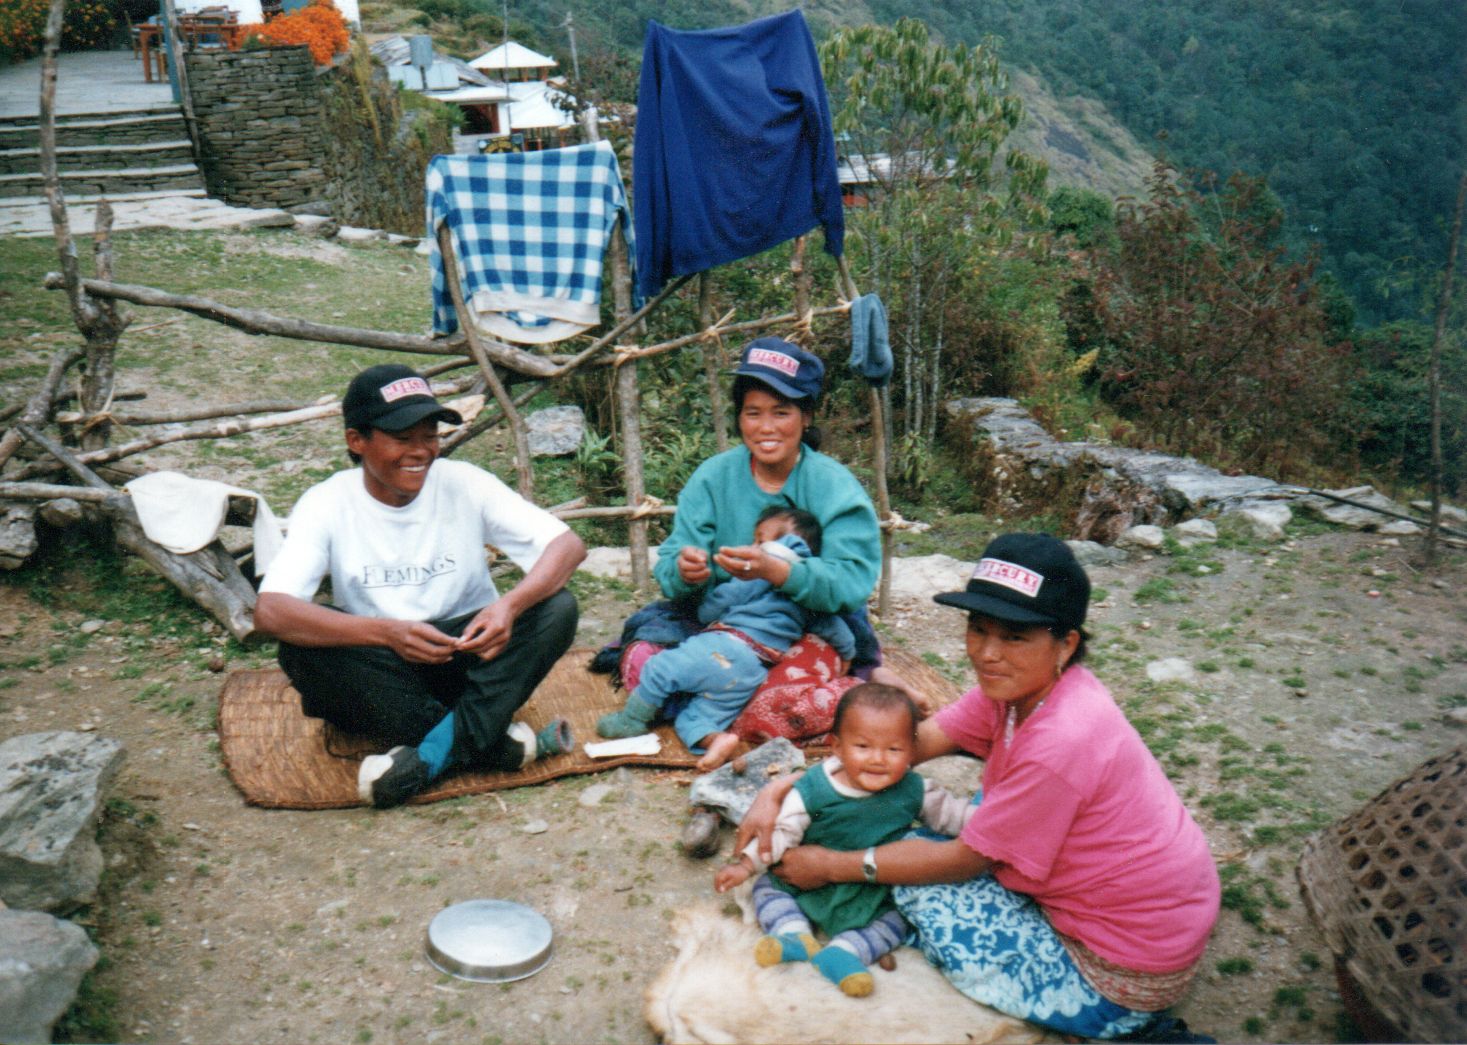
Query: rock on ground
point(1171, 669)
point(1195, 531)
point(1266, 519)
point(1148, 537)
point(1361, 518)
point(1172, 486)
point(42, 962)
point(922, 576)
point(555, 431)
point(51, 787)
point(17, 535)
point(1090, 553)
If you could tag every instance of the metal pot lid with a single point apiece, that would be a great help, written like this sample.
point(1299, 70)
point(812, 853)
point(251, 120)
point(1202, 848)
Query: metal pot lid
point(489, 941)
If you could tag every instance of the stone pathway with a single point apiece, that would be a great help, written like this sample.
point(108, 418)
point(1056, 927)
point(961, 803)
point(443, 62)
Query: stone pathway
point(86, 81)
point(30, 217)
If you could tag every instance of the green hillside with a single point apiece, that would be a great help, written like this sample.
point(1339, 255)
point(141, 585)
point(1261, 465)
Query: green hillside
point(1354, 110)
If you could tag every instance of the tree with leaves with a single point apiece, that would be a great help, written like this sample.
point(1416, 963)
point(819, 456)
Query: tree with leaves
point(923, 125)
point(1216, 343)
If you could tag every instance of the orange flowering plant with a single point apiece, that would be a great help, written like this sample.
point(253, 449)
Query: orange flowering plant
point(86, 24)
point(320, 26)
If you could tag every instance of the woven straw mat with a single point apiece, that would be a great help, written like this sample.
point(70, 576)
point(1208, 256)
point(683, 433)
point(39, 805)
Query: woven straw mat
point(281, 759)
point(1388, 889)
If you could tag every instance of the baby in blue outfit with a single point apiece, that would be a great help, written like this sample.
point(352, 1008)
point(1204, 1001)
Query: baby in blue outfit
point(750, 626)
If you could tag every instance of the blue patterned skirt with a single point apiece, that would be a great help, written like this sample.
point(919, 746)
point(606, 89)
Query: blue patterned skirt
point(998, 948)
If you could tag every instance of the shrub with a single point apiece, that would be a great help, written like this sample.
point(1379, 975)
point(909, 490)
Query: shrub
point(87, 24)
point(319, 26)
point(1215, 342)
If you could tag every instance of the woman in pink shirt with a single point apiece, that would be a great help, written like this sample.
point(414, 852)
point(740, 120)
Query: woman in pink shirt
point(1081, 893)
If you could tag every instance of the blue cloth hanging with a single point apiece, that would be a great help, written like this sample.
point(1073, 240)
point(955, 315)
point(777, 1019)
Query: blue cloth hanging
point(870, 345)
point(734, 150)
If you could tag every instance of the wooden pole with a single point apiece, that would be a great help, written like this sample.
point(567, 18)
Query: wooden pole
point(629, 413)
point(185, 95)
point(531, 364)
point(38, 408)
point(49, 492)
point(802, 334)
point(523, 471)
point(254, 321)
point(712, 357)
point(100, 324)
point(96, 387)
point(878, 464)
point(199, 413)
point(214, 431)
point(483, 424)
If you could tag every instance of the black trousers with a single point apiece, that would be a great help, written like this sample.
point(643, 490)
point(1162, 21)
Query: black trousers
point(372, 691)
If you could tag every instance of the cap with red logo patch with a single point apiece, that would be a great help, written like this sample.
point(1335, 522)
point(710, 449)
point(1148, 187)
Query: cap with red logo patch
point(1026, 578)
point(784, 367)
point(392, 397)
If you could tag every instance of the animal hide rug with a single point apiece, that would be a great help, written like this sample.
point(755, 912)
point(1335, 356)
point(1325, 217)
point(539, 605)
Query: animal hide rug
point(713, 992)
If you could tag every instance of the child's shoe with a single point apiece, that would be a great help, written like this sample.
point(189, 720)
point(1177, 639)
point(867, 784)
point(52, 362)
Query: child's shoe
point(845, 970)
point(554, 739)
point(631, 721)
point(784, 947)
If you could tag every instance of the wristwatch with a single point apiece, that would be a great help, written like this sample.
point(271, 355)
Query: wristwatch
point(868, 865)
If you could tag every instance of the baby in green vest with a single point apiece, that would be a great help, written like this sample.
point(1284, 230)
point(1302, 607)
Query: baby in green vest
point(865, 795)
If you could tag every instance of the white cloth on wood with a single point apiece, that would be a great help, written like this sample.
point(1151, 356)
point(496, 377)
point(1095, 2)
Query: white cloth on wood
point(183, 514)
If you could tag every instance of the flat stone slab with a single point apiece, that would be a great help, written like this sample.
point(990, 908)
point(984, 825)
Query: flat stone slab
point(731, 787)
point(51, 787)
point(172, 211)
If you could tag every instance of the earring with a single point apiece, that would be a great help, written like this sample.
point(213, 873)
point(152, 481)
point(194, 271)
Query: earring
point(1059, 668)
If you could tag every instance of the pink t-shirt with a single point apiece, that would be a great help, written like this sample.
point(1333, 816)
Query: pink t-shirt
point(1080, 816)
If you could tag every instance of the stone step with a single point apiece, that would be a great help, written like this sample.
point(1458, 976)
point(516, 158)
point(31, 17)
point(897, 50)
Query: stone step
point(125, 129)
point(178, 177)
point(93, 157)
point(66, 119)
point(11, 204)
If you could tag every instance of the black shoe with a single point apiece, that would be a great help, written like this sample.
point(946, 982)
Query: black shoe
point(700, 834)
point(1166, 1028)
point(391, 779)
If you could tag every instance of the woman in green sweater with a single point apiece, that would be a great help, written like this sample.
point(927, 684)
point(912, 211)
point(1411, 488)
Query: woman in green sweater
point(775, 390)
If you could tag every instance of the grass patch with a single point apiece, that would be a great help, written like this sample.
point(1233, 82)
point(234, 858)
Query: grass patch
point(1159, 590)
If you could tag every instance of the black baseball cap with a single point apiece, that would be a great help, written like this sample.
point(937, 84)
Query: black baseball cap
point(1026, 578)
point(392, 397)
point(784, 367)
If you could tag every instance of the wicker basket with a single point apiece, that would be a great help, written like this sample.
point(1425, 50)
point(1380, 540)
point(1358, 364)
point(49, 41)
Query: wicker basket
point(1387, 887)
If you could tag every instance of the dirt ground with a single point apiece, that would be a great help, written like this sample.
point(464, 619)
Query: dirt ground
point(1323, 668)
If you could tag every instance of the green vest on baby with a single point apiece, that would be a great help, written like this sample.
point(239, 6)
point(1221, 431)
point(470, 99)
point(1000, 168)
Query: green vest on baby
point(838, 822)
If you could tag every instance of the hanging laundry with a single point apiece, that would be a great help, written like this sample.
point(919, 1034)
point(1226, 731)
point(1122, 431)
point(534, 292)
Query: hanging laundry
point(530, 231)
point(870, 343)
point(734, 151)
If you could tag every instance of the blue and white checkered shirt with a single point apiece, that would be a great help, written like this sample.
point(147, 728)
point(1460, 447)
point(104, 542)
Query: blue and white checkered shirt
point(530, 230)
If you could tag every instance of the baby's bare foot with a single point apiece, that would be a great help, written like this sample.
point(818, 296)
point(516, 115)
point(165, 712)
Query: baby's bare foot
point(721, 748)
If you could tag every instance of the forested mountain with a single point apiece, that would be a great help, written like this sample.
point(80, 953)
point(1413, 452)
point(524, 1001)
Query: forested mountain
point(1353, 110)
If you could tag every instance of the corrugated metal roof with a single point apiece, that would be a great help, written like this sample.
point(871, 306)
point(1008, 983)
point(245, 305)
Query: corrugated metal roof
point(393, 50)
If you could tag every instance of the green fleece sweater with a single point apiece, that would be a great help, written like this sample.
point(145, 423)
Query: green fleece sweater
point(718, 507)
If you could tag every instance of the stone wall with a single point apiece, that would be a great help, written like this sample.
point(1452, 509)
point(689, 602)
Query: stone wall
point(261, 125)
point(276, 132)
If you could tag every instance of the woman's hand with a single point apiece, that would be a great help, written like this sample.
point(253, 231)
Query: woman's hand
point(692, 565)
point(749, 562)
point(806, 867)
